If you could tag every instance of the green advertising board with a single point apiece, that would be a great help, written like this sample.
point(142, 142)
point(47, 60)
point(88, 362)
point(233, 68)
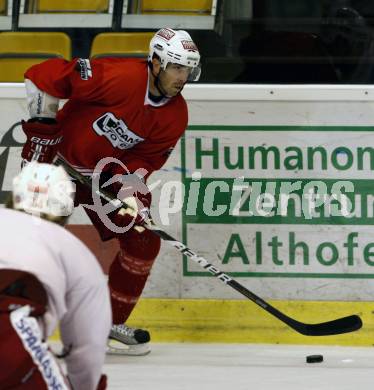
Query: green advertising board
point(280, 201)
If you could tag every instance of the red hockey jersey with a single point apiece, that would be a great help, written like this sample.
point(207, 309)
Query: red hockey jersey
point(109, 114)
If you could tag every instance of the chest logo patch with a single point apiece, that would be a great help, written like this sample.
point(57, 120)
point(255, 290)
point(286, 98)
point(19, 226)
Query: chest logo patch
point(116, 131)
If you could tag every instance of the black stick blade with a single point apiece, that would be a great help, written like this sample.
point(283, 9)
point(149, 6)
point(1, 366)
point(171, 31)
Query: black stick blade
point(339, 326)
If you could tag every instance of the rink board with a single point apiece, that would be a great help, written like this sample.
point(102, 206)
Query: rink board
point(339, 272)
point(238, 321)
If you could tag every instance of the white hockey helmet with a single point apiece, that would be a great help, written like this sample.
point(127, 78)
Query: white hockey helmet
point(43, 189)
point(177, 47)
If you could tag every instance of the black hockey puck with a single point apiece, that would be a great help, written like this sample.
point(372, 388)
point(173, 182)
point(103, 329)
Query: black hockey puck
point(314, 359)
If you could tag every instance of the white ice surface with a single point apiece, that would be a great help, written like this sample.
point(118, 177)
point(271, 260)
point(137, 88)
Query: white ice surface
point(242, 367)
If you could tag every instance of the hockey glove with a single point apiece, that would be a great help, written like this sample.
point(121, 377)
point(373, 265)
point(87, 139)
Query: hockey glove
point(43, 138)
point(135, 193)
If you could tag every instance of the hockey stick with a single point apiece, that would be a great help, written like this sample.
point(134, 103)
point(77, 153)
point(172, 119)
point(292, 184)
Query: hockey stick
point(338, 326)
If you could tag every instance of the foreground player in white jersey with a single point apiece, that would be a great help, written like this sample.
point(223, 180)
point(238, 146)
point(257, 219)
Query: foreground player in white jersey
point(47, 276)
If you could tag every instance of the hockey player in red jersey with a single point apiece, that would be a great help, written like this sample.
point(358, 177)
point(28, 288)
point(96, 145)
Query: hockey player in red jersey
point(130, 110)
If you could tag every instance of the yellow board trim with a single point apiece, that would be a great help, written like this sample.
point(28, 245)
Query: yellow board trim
point(240, 321)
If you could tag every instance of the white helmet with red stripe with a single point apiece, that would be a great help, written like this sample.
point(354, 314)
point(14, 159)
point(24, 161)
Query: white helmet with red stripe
point(177, 47)
point(43, 189)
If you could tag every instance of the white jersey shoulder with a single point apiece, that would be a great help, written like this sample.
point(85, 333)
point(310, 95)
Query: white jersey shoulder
point(78, 296)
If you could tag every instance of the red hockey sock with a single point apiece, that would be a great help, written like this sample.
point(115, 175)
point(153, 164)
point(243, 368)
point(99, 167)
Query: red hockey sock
point(130, 270)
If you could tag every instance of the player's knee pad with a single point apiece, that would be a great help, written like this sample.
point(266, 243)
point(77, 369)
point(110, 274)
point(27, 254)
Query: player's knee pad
point(130, 270)
point(144, 246)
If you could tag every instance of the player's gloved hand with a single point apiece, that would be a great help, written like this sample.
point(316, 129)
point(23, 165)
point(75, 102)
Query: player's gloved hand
point(135, 193)
point(102, 385)
point(43, 138)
